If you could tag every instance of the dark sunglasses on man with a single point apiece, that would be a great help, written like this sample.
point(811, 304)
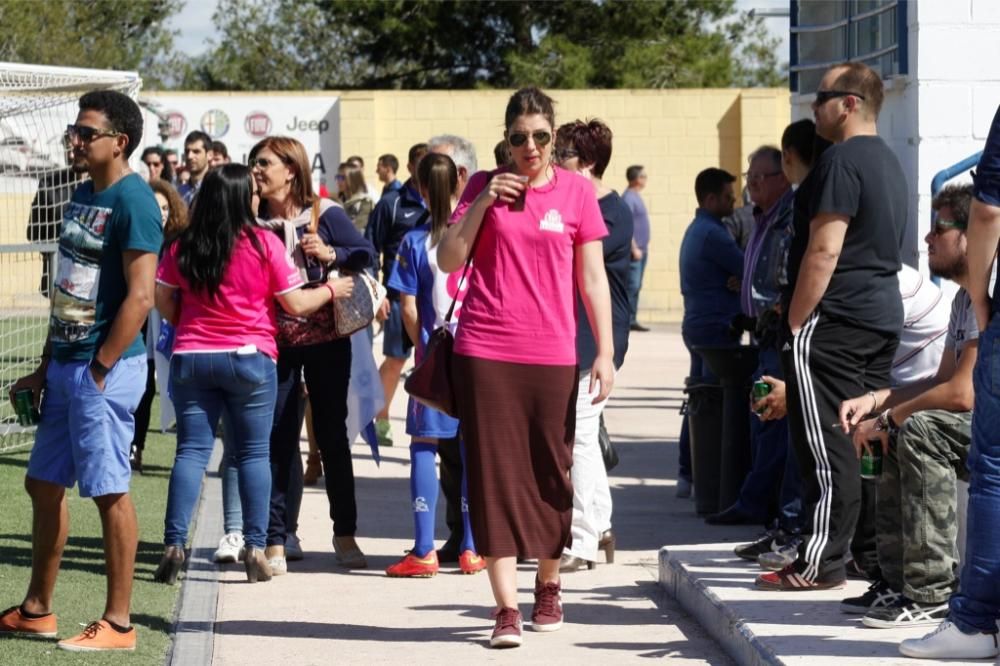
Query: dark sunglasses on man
point(87, 134)
point(518, 139)
point(824, 96)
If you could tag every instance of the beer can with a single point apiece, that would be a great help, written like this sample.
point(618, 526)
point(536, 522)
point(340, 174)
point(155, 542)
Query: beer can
point(760, 390)
point(24, 406)
point(871, 463)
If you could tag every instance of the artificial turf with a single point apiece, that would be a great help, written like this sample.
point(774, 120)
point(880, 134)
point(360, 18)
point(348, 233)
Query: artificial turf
point(80, 590)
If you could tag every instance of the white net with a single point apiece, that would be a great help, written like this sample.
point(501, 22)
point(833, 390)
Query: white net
point(36, 105)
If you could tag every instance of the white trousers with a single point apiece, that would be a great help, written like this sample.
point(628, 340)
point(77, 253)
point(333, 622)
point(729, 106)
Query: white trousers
point(591, 492)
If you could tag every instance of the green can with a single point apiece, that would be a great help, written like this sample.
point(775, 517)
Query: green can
point(24, 406)
point(760, 390)
point(871, 463)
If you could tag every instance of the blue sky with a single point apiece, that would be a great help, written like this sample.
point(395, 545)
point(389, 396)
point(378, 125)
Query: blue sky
point(194, 22)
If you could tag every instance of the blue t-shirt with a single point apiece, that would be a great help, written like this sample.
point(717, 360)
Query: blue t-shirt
point(640, 218)
point(708, 258)
point(90, 276)
point(415, 273)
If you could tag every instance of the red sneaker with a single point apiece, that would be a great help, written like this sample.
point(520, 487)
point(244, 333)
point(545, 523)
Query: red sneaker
point(790, 580)
point(471, 563)
point(547, 613)
point(507, 629)
point(13, 623)
point(412, 566)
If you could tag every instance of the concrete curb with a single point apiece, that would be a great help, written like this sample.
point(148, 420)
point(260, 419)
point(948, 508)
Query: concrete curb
point(731, 632)
point(194, 627)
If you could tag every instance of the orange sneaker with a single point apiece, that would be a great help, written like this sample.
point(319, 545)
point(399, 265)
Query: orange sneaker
point(13, 623)
point(99, 637)
point(471, 563)
point(412, 566)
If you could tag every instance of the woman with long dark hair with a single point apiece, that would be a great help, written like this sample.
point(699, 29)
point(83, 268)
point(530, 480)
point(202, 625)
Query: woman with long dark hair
point(426, 294)
point(535, 230)
point(318, 237)
point(217, 284)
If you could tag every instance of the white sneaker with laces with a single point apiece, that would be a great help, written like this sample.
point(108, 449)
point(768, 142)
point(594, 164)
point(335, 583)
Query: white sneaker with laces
point(230, 548)
point(950, 642)
point(293, 547)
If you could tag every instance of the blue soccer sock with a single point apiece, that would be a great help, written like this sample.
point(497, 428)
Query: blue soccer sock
point(467, 541)
point(424, 493)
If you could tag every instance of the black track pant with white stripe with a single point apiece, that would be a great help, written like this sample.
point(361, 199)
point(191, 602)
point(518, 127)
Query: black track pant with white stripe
point(827, 362)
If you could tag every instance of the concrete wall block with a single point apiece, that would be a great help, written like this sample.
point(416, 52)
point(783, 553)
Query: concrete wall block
point(940, 12)
point(986, 12)
point(985, 104)
point(945, 110)
point(947, 51)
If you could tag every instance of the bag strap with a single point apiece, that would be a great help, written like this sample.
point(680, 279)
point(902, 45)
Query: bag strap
point(468, 261)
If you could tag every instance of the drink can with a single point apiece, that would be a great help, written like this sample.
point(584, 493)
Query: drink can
point(24, 406)
point(871, 463)
point(760, 390)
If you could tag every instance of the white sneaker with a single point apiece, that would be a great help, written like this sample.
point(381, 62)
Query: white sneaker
point(230, 548)
point(279, 566)
point(293, 547)
point(949, 642)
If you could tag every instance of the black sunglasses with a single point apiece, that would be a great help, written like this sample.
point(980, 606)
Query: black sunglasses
point(87, 134)
point(824, 96)
point(541, 137)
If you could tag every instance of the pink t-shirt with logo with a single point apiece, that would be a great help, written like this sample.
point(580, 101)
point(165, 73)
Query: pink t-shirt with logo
point(242, 312)
point(521, 303)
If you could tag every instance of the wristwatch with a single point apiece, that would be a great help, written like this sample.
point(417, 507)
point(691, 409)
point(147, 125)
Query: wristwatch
point(99, 368)
point(884, 423)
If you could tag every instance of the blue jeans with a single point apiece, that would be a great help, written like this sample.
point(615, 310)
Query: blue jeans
point(976, 605)
point(697, 374)
point(636, 270)
point(205, 386)
point(232, 511)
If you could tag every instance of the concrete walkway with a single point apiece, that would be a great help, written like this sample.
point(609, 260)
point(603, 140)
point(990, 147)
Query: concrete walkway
point(616, 613)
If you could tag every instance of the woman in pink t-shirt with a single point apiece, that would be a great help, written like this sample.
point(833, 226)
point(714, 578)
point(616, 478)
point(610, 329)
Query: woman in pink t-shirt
point(217, 284)
point(535, 231)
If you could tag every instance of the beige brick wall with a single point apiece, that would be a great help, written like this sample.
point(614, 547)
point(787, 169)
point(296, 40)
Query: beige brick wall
point(673, 133)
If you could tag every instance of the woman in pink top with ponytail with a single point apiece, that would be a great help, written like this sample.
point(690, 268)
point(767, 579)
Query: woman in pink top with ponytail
point(535, 233)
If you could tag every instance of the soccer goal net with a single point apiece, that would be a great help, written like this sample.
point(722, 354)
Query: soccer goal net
point(36, 105)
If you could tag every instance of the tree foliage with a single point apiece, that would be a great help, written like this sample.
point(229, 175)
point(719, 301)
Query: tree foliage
point(339, 44)
point(102, 34)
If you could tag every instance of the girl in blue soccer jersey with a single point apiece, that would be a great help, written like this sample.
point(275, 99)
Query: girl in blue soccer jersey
point(425, 295)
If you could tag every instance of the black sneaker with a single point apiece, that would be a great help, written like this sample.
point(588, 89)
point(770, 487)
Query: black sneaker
point(763, 544)
point(906, 613)
point(781, 554)
point(879, 595)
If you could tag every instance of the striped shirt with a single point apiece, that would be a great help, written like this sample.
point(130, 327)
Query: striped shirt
point(926, 312)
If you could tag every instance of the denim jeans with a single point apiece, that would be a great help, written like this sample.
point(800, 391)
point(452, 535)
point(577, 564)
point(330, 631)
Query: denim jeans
point(976, 606)
point(204, 387)
point(636, 271)
point(327, 370)
point(232, 511)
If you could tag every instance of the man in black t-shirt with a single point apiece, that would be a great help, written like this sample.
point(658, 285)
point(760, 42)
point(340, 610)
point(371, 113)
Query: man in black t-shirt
point(843, 313)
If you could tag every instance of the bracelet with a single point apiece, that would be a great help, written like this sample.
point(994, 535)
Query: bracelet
point(874, 402)
point(99, 367)
point(333, 294)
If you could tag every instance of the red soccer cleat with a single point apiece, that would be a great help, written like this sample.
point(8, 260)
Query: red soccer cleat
point(471, 563)
point(412, 566)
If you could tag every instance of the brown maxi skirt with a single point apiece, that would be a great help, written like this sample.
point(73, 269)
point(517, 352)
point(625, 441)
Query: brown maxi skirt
point(518, 422)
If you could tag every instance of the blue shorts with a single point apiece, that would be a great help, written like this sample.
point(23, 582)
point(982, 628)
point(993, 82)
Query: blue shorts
point(987, 178)
point(85, 434)
point(423, 421)
point(395, 342)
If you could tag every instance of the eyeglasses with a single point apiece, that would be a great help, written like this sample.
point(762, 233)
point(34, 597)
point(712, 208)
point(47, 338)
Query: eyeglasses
point(942, 226)
point(757, 177)
point(824, 96)
point(87, 134)
point(563, 154)
point(262, 162)
point(518, 139)
point(340, 177)
point(154, 164)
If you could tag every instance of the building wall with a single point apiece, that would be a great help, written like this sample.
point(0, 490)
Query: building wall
point(673, 133)
point(938, 113)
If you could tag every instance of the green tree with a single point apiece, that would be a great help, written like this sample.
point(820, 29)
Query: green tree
point(340, 44)
point(102, 34)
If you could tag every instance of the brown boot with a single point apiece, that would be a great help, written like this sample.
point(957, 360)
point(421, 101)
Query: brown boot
point(314, 469)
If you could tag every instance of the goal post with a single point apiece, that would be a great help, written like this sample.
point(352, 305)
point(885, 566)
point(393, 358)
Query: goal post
point(36, 104)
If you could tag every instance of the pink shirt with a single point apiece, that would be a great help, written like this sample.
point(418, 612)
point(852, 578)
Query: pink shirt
point(521, 303)
point(242, 311)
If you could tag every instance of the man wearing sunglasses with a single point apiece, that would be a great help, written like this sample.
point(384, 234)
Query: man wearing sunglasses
point(843, 313)
point(924, 429)
point(92, 370)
